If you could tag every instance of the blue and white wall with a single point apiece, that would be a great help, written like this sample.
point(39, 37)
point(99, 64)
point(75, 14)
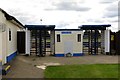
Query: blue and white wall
point(2, 37)
point(8, 48)
point(68, 43)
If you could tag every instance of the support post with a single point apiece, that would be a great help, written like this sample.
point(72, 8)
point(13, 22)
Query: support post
point(91, 43)
point(102, 41)
point(95, 42)
point(27, 39)
point(44, 43)
point(36, 42)
point(40, 43)
point(107, 41)
point(52, 42)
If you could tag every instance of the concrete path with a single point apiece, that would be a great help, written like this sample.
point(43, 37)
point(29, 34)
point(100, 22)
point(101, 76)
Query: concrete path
point(33, 67)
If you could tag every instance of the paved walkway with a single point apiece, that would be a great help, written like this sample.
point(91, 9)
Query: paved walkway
point(29, 67)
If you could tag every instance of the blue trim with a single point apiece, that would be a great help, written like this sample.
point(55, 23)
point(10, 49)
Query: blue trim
point(74, 54)
point(59, 55)
point(66, 32)
point(78, 54)
point(10, 57)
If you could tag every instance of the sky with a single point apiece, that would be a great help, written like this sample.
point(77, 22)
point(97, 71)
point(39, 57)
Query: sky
point(65, 14)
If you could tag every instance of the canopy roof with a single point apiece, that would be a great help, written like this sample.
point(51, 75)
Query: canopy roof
point(94, 27)
point(40, 27)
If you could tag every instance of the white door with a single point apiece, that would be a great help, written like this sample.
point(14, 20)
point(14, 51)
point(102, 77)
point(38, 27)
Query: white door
point(68, 47)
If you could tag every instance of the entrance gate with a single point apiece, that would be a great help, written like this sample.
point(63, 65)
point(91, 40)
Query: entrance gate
point(94, 39)
point(42, 38)
point(91, 41)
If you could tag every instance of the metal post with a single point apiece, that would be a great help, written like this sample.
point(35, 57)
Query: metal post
point(91, 42)
point(36, 41)
point(95, 42)
point(102, 42)
point(26, 41)
point(51, 42)
point(40, 43)
point(44, 35)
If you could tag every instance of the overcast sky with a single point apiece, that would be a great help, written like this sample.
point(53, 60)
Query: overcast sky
point(63, 13)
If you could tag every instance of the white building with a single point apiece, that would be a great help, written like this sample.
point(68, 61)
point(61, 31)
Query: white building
point(68, 41)
point(8, 36)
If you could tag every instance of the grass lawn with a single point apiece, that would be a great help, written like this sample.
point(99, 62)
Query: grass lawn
point(82, 71)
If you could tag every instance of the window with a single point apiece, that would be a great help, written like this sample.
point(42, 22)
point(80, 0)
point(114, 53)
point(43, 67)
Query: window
point(9, 35)
point(58, 37)
point(79, 37)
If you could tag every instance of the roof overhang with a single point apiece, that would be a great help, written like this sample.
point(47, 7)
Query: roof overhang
point(94, 27)
point(40, 27)
point(12, 19)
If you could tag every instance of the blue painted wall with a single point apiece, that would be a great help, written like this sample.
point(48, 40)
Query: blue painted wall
point(10, 57)
point(66, 32)
point(78, 54)
point(59, 55)
point(74, 54)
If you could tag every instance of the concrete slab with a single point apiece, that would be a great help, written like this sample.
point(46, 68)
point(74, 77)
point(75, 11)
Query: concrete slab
point(33, 67)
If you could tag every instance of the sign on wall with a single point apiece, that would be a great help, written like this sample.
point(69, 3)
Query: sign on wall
point(66, 32)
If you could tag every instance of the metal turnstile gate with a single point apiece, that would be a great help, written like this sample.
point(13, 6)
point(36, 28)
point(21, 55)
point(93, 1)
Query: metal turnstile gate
point(40, 42)
point(91, 43)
